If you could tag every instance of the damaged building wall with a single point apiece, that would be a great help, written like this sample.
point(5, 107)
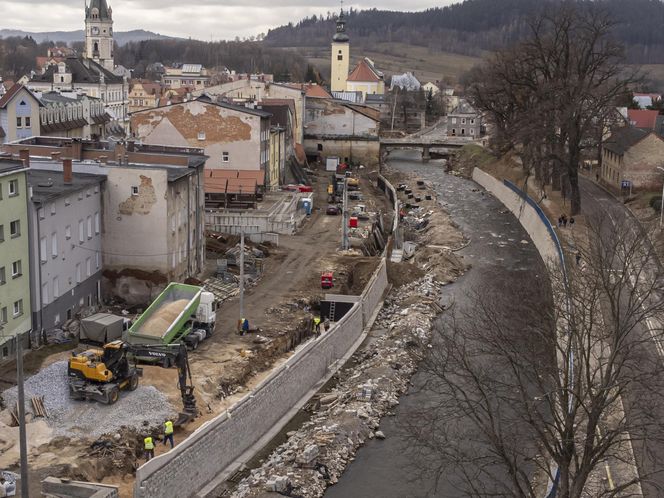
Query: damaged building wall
point(360, 151)
point(230, 137)
point(134, 235)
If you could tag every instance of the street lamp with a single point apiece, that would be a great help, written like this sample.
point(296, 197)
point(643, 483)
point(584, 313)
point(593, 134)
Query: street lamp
point(661, 203)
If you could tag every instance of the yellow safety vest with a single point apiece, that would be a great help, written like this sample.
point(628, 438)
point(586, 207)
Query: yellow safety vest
point(149, 445)
point(316, 321)
point(169, 428)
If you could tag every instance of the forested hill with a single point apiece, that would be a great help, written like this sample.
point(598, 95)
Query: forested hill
point(474, 26)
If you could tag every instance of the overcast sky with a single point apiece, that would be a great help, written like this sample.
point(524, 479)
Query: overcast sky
point(202, 19)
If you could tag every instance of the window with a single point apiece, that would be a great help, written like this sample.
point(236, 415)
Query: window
point(56, 288)
point(45, 294)
point(472, 121)
point(15, 229)
point(2, 233)
point(53, 209)
point(88, 266)
point(57, 319)
point(78, 273)
point(89, 227)
point(42, 249)
point(68, 232)
point(225, 157)
point(81, 231)
point(67, 201)
point(463, 120)
point(54, 245)
point(18, 307)
point(96, 189)
point(88, 193)
point(3, 276)
point(3, 316)
point(13, 188)
point(201, 135)
point(134, 190)
point(40, 213)
point(97, 227)
point(27, 121)
point(453, 120)
point(80, 195)
point(472, 131)
point(19, 122)
point(97, 258)
point(340, 57)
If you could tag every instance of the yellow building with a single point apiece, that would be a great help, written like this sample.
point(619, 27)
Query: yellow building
point(366, 78)
point(340, 59)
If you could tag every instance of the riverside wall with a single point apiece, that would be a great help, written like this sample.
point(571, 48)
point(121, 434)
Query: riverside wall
point(213, 449)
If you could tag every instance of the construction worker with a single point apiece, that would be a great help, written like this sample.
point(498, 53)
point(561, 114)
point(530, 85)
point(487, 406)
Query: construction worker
point(168, 432)
point(317, 325)
point(245, 326)
point(148, 444)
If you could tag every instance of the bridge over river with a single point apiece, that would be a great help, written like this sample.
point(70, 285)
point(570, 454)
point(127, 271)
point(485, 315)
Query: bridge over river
point(443, 145)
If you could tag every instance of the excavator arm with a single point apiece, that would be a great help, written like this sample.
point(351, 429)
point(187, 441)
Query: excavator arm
point(169, 355)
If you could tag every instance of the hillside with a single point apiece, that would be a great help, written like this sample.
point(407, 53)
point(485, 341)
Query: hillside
point(475, 26)
point(121, 37)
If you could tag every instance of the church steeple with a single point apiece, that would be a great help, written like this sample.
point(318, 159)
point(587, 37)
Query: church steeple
point(340, 57)
point(340, 35)
point(99, 33)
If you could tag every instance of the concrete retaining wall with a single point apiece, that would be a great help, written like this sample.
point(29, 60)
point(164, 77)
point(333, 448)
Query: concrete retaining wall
point(530, 215)
point(214, 450)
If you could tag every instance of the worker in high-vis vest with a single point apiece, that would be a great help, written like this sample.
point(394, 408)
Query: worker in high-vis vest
point(317, 325)
point(168, 432)
point(149, 448)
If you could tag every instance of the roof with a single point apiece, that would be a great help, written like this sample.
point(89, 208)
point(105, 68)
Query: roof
point(316, 91)
point(369, 112)
point(192, 68)
point(47, 184)
point(8, 165)
point(82, 71)
point(101, 6)
point(57, 97)
point(279, 108)
point(642, 118)
point(624, 138)
point(365, 71)
point(464, 108)
point(258, 175)
point(12, 92)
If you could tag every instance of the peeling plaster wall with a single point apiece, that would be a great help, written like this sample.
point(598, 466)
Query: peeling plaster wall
point(200, 124)
point(330, 118)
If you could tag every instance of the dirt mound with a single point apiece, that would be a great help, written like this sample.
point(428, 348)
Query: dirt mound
point(159, 322)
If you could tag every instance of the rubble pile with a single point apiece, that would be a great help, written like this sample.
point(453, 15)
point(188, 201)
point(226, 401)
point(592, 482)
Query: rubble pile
point(343, 419)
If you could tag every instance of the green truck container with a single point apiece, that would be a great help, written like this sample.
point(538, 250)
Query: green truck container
point(180, 313)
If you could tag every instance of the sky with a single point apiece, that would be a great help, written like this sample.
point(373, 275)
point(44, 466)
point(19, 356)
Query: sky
point(201, 19)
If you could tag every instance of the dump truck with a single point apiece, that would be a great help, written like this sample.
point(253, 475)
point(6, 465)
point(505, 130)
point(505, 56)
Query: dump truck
point(102, 328)
point(181, 312)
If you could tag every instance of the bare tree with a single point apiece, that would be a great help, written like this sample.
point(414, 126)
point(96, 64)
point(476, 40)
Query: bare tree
point(526, 386)
point(550, 93)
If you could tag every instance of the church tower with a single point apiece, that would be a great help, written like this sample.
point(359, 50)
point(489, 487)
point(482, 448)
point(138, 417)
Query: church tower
point(99, 33)
point(340, 59)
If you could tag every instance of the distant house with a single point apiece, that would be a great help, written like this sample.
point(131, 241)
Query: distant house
point(69, 114)
point(642, 118)
point(432, 88)
point(189, 75)
point(19, 114)
point(644, 100)
point(632, 155)
point(464, 121)
point(144, 95)
point(406, 81)
point(335, 128)
point(365, 78)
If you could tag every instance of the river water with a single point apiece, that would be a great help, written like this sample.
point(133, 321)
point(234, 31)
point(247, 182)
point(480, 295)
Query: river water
point(499, 251)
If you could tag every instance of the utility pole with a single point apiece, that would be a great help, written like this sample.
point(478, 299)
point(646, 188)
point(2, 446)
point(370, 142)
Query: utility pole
point(21, 417)
point(344, 218)
point(242, 275)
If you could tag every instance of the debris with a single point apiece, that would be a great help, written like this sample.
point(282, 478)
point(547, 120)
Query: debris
point(379, 435)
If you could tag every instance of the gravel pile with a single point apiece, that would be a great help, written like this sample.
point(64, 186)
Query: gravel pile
point(90, 418)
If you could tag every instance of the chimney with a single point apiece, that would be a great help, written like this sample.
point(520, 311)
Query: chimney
point(55, 156)
point(67, 170)
point(24, 154)
point(103, 159)
point(76, 149)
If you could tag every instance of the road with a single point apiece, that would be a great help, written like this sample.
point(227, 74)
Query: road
point(501, 255)
point(648, 350)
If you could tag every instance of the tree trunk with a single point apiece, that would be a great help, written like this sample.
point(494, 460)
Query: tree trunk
point(573, 177)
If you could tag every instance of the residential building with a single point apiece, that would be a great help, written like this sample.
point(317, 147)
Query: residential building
point(66, 243)
point(283, 116)
point(336, 128)
point(19, 114)
point(406, 82)
point(366, 78)
point(233, 136)
point(642, 118)
point(464, 121)
point(15, 309)
point(86, 76)
point(189, 75)
point(630, 158)
point(152, 221)
point(70, 114)
point(340, 56)
point(431, 88)
point(175, 96)
point(144, 95)
point(276, 171)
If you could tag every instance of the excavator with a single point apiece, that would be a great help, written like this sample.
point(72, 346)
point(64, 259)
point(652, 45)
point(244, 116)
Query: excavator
point(100, 375)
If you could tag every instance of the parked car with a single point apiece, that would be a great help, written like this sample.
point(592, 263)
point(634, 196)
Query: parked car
point(332, 210)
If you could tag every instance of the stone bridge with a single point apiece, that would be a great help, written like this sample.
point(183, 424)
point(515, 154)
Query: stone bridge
point(443, 145)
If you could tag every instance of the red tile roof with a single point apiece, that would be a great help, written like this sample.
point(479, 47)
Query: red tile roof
point(641, 118)
point(364, 71)
point(316, 91)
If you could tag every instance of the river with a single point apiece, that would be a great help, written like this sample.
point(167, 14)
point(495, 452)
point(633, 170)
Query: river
point(499, 251)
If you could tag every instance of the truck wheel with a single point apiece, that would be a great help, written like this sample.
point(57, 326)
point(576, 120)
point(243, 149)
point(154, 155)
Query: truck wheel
point(112, 395)
point(194, 343)
point(133, 382)
point(166, 362)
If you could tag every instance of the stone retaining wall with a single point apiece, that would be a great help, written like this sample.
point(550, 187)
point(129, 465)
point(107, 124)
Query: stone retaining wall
point(214, 447)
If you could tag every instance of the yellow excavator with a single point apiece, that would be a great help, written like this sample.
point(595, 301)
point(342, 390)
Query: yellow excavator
point(100, 375)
